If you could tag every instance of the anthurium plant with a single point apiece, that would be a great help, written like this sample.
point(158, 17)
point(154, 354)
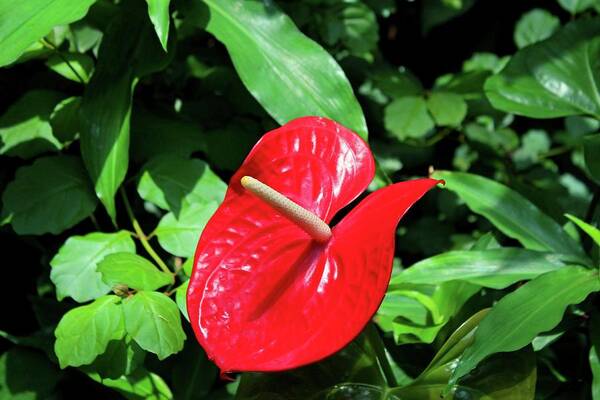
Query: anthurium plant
point(256, 199)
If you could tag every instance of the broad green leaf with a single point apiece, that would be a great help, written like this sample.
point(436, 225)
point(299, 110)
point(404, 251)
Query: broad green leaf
point(74, 267)
point(170, 181)
point(535, 26)
point(128, 51)
point(520, 316)
point(65, 119)
point(132, 270)
point(494, 268)
point(158, 11)
point(193, 374)
point(534, 143)
point(26, 22)
point(141, 384)
point(512, 213)
point(27, 375)
point(290, 75)
point(121, 357)
point(484, 62)
point(181, 298)
point(84, 332)
point(73, 66)
point(416, 313)
point(179, 234)
point(577, 6)
point(591, 149)
point(436, 12)
point(407, 117)
point(594, 358)
point(447, 109)
point(49, 196)
point(25, 130)
point(152, 319)
point(591, 230)
point(553, 78)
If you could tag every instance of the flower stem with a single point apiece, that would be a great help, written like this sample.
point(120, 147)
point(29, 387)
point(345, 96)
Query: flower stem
point(142, 236)
point(377, 344)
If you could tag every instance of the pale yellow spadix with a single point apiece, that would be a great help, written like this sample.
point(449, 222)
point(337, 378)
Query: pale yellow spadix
point(305, 219)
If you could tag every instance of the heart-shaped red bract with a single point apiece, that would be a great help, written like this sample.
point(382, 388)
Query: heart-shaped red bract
point(263, 295)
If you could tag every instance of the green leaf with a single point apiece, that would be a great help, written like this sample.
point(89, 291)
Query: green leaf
point(520, 316)
point(26, 22)
point(591, 149)
point(65, 119)
point(594, 358)
point(181, 298)
point(494, 268)
point(534, 143)
point(592, 231)
point(512, 213)
point(289, 75)
point(74, 267)
point(179, 234)
point(132, 270)
point(356, 363)
point(553, 78)
point(49, 196)
point(121, 357)
point(535, 26)
point(24, 128)
point(577, 6)
point(152, 319)
point(27, 375)
point(193, 374)
point(141, 384)
point(171, 182)
point(73, 66)
point(84, 332)
point(158, 11)
point(447, 109)
point(128, 51)
point(407, 117)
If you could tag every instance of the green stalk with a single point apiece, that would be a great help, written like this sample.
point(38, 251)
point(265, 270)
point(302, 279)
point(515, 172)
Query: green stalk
point(376, 343)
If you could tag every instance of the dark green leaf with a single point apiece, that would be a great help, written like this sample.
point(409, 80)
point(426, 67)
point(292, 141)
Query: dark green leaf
point(121, 357)
point(65, 119)
point(519, 317)
point(128, 51)
point(494, 268)
point(152, 319)
point(594, 357)
point(172, 182)
point(510, 212)
point(535, 26)
point(51, 195)
point(289, 74)
point(26, 22)
point(24, 128)
point(591, 149)
point(85, 332)
point(74, 267)
point(132, 270)
point(26, 375)
point(554, 78)
point(577, 6)
point(193, 374)
point(407, 117)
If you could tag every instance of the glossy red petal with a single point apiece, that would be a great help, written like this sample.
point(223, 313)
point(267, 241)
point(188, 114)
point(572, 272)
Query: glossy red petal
point(250, 259)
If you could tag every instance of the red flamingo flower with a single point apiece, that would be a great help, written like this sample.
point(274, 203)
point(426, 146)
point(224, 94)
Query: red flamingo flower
point(273, 287)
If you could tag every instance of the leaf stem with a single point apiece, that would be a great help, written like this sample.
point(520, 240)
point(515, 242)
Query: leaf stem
point(377, 344)
point(141, 235)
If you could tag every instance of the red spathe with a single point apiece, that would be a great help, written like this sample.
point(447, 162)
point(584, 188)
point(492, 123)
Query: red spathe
point(264, 296)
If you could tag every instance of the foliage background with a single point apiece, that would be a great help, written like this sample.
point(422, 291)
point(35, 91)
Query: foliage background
point(120, 127)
